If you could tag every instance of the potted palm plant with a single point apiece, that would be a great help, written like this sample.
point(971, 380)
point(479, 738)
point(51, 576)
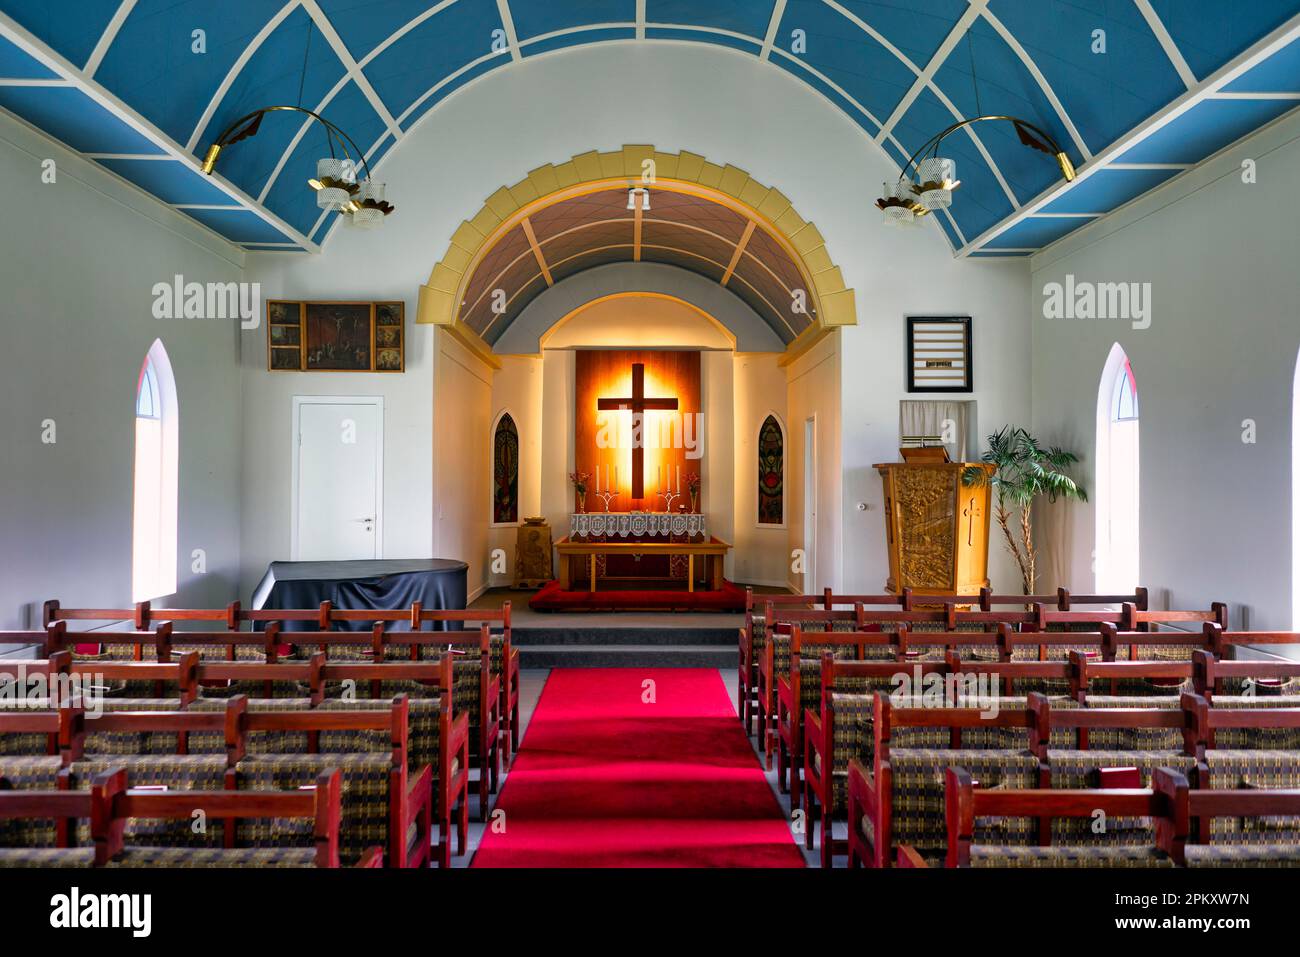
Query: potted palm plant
point(1022, 472)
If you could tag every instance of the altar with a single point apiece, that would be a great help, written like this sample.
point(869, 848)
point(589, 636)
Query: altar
point(711, 552)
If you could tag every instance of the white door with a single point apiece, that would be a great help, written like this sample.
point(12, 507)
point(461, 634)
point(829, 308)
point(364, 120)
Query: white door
point(338, 478)
point(810, 505)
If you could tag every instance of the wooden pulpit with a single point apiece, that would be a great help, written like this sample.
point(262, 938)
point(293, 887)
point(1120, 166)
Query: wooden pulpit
point(936, 527)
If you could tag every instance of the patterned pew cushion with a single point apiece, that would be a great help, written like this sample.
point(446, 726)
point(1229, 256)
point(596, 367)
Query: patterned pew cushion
point(28, 773)
point(422, 730)
point(1242, 855)
point(918, 794)
point(1132, 739)
point(215, 857)
point(255, 742)
point(175, 772)
point(1067, 856)
point(1077, 770)
point(29, 745)
point(365, 799)
point(421, 723)
point(1232, 769)
point(1266, 739)
point(132, 742)
point(47, 857)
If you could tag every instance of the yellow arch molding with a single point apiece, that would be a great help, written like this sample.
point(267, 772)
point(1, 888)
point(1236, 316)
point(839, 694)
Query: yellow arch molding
point(686, 172)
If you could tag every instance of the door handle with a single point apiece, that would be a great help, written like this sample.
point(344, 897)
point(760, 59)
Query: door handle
point(363, 520)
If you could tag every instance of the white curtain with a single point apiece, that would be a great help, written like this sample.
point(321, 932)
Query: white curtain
point(929, 421)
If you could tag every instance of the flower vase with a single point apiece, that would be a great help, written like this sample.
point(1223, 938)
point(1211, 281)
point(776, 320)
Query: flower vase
point(580, 500)
point(695, 502)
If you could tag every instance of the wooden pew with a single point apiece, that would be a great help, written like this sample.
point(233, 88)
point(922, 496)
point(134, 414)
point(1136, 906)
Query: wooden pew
point(778, 619)
point(111, 803)
point(753, 641)
point(870, 791)
point(789, 697)
point(1136, 619)
point(965, 802)
point(819, 765)
point(1188, 806)
point(411, 796)
point(1209, 672)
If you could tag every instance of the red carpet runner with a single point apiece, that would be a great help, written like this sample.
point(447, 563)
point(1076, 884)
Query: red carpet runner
point(605, 780)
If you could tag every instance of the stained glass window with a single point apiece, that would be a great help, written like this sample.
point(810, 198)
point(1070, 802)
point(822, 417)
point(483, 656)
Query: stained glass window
point(771, 473)
point(505, 472)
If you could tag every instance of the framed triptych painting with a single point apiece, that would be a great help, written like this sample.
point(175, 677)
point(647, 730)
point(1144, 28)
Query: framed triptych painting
point(335, 336)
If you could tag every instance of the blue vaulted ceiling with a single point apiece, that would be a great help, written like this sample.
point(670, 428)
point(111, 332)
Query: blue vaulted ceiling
point(1136, 91)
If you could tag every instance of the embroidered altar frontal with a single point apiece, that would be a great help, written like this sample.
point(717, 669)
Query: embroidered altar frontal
point(636, 524)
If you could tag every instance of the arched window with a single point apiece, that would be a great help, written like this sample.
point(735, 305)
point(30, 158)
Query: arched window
point(1117, 460)
point(153, 542)
point(505, 471)
point(771, 472)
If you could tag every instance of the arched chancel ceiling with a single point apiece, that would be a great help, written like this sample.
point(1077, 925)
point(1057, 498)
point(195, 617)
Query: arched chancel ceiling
point(1135, 90)
point(708, 219)
point(714, 221)
point(617, 283)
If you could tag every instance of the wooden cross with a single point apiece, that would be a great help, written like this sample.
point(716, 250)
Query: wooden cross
point(638, 404)
point(972, 512)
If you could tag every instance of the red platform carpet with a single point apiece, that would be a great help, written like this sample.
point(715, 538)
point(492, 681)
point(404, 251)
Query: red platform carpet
point(551, 597)
point(605, 780)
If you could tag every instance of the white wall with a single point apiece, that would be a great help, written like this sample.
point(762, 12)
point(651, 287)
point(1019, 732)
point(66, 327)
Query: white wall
point(996, 297)
point(268, 415)
point(814, 394)
point(462, 457)
point(762, 552)
point(1220, 255)
point(517, 389)
point(717, 467)
point(732, 109)
point(78, 260)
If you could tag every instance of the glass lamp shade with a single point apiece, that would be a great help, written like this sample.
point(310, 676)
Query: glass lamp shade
point(329, 172)
point(898, 216)
point(936, 177)
point(369, 214)
point(898, 199)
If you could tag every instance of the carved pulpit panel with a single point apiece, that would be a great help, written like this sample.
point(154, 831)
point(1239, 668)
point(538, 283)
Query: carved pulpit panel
point(936, 527)
point(926, 498)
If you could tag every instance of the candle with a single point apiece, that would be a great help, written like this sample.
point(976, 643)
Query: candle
point(615, 479)
point(679, 480)
point(597, 478)
point(659, 479)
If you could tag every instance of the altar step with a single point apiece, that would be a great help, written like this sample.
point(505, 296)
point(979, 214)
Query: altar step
point(590, 647)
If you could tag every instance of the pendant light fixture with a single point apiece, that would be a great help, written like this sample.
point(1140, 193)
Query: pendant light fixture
point(336, 184)
point(927, 180)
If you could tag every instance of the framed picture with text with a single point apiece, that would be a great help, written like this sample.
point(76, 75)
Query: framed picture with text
point(939, 355)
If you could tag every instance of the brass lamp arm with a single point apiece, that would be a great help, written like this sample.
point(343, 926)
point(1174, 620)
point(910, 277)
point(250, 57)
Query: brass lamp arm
point(1067, 168)
point(227, 136)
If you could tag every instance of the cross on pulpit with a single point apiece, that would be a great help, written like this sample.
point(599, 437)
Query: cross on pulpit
point(972, 512)
point(638, 404)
